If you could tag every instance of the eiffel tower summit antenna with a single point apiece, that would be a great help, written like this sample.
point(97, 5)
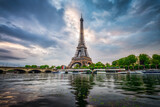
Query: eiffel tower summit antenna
point(81, 56)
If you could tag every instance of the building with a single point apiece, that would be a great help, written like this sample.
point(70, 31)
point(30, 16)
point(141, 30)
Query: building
point(81, 56)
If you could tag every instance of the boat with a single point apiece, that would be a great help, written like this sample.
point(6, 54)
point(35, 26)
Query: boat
point(101, 72)
point(135, 72)
point(75, 72)
point(62, 72)
point(122, 72)
point(55, 72)
point(151, 71)
point(88, 72)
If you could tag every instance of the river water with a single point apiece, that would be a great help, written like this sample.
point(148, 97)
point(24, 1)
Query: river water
point(79, 90)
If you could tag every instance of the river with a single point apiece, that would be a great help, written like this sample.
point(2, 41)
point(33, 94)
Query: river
point(79, 90)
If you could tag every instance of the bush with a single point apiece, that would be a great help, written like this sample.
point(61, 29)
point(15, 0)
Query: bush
point(27, 66)
point(131, 67)
point(136, 67)
point(34, 66)
point(121, 66)
point(158, 66)
point(147, 66)
point(126, 67)
point(153, 66)
point(141, 67)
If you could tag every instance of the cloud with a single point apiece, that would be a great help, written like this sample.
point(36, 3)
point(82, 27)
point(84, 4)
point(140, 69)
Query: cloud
point(10, 58)
point(17, 32)
point(4, 51)
point(47, 31)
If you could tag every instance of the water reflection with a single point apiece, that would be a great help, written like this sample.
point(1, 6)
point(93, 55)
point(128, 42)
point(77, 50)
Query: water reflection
point(81, 84)
point(79, 90)
point(140, 84)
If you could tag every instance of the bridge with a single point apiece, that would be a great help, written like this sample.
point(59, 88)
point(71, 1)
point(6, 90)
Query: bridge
point(25, 70)
point(48, 70)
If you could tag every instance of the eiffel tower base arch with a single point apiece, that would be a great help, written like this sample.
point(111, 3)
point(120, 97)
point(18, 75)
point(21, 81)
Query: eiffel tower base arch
point(81, 61)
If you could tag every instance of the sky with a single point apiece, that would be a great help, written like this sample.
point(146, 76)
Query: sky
point(47, 31)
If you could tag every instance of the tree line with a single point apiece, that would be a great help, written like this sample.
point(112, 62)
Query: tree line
point(143, 61)
point(42, 66)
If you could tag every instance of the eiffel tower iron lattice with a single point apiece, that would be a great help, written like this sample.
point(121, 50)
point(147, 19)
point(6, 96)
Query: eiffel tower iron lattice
point(81, 56)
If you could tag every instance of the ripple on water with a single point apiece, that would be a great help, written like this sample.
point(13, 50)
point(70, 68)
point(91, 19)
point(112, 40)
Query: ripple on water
point(82, 90)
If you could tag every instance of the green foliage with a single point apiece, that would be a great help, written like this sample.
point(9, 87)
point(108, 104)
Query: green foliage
point(114, 63)
point(58, 67)
point(158, 66)
point(126, 67)
point(99, 64)
point(121, 61)
point(141, 67)
point(27, 66)
point(34, 66)
point(132, 59)
point(44, 66)
point(144, 59)
point(108, 65)
point(52, 67)
point(121, 66)
point(153, 66)
point(96, 67)
point(155, 59)
point(147, 66)
point(136, 67)
point(129, 60)
point(126, 61)
point(131, 67)
point(84, 67)
point(92, 66)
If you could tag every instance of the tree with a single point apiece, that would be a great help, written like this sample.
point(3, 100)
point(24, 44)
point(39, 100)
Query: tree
point(155, 59)
point(144, 59)
point(108, 65)
point(132, 59)
point(131, 67)
point(114, 63)
point(136, 67)
point(141, 67)
point(27, 66)
point(52, 67)
point(126, 62)
point(153, 66)
point(84, 66)
point(126, 67)
point(158, 66)
point(91, 66)
point(44, 66)
point(58, 67)
point(121, 61)
point(99, 64)
point(147, 66)
point(34, 66)
point(121, 66)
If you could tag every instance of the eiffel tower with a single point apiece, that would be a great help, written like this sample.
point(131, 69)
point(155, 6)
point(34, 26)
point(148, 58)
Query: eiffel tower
point(81, 56)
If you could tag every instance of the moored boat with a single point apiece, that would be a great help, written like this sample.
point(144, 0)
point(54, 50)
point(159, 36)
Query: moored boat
point(122, 72)
point(75, 72)
point(135, 72)
point(55, 72)
point(151, 71)
point(101, 72)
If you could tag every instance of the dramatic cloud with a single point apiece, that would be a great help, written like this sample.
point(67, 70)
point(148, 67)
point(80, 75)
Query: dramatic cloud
point(47, 31)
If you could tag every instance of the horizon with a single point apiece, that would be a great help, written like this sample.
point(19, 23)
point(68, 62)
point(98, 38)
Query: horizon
point(47, 32)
